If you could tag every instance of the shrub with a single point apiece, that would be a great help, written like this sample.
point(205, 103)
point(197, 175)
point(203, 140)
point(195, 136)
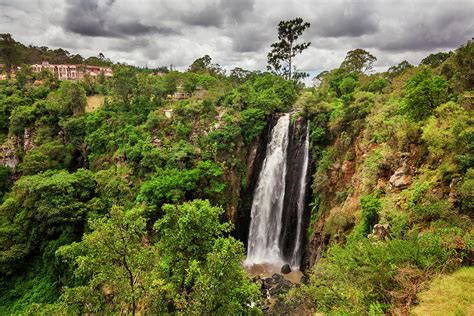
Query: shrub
point(363, 275)
point(370, 206)
point(252, 122)
point(347, 85)
point(376, 85)
point(449, 131)
point(466, 192)
point(423, 93)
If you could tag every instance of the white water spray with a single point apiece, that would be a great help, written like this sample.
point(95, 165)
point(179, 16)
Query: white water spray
point(267, 205)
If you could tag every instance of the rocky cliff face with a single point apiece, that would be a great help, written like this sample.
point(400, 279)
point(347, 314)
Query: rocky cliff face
point(9, 149)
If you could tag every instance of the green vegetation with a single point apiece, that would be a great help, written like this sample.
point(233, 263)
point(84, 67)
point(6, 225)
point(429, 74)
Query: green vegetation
point(129, 208)
point(408, 135)
point(448, 295)
point(122, 209)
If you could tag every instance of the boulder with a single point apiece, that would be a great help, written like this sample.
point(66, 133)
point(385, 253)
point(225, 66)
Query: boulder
point(400, 179)
point(381, 231)
point(285, 269)
point(304, 279)
point(280, 288)
point(275, 285)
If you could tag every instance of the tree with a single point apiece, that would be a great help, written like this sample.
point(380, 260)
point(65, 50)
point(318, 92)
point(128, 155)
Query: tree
point(423, 93)
point(41, 208)
point(24, 76)
point(118, 262)
point(72, 98)
point(348, 85)
point(125, 80)
point(434, 60)
point(222, 286)
point(9, 51)
point(280, 58)
point(187, 234)
point(358, 60)
point(200, 64)
point(239, 75)
point(204, 65)
point(464, 60)
point(376, 85)
point(397, 70)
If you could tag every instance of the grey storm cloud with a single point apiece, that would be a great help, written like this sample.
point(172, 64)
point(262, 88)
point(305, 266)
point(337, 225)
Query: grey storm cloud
point(239, 32)
point(210, 15)
point(93, 18)
point(445, 28)
point(345, 19)
point(218, 13)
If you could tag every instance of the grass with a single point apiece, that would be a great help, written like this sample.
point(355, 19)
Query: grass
point(448, 295)
point(94, 102)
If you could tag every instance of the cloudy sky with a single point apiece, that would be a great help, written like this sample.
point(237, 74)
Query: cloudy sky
point(239, 32)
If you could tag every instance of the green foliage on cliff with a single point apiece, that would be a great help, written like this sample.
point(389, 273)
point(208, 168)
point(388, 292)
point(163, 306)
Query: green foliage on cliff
point(398, 154)
point(125, 208)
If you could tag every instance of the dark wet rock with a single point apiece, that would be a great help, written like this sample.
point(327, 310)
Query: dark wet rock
point(285, 269)
point(276, 285)
point(281, 287)
point(295, 163)
point(304, 279)
point(277, 277)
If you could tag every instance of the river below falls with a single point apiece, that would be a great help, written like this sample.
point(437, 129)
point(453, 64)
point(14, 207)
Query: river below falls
point(266, 270)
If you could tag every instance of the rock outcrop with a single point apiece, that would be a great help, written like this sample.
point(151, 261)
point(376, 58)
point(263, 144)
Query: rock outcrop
point(400, 179)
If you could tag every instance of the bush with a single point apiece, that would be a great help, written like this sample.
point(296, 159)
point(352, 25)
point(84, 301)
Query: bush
point(424, 93)
point(252, 122)
point(376, 85)
point(363, 275)
point(347, 85)
point(466, 192)
point(449, 131)
point(370, 206)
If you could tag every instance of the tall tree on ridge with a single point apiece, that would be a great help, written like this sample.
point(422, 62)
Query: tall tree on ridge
point(280, 58)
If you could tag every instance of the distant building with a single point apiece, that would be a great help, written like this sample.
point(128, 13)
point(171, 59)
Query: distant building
point(3, 74)
point(169, 113)
point(72, 72)
point(180, 94)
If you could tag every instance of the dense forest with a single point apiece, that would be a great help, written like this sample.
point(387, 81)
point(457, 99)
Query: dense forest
point(133, 206)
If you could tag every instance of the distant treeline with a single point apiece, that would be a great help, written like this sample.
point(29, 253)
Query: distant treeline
point(17, 53)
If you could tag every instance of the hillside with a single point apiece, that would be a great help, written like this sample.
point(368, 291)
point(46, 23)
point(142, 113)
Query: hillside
point(392, 193)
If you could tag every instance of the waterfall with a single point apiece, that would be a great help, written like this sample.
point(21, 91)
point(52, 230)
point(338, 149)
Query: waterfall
point(267, 204)
point(296, 257)
point(278, 205)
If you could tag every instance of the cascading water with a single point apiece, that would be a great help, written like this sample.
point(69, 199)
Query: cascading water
point(296, 257)
point(267, 204)
point(278, 205)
